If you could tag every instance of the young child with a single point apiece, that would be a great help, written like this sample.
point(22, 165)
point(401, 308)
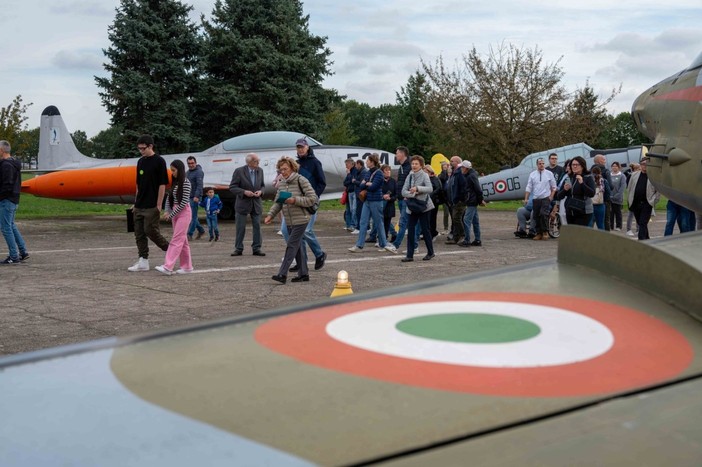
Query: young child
point(212, 205)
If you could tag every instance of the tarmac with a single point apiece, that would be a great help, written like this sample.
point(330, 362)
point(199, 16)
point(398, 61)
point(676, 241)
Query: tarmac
point(75, 286)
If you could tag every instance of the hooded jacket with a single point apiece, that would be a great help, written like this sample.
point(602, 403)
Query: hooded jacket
point(311, 169)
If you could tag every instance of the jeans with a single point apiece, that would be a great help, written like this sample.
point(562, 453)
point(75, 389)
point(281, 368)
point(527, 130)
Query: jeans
point(471, 218)
point(213, 225)
point(676, 213)
point(12, 236)
point(194, 222)
point(350, 217)
point(599, 211)
point(372, 209)
point(310, 239)
point(402, 227)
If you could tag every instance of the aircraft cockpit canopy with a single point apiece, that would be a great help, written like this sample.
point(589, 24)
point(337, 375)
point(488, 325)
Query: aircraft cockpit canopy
point(564, 153)
point(266, 140)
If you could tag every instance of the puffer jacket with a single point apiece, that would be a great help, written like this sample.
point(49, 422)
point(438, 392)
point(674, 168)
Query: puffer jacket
point(300, 189)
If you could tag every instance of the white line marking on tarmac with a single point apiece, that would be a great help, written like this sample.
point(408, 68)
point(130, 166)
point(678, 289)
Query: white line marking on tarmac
point(329, 261)
point(81, 249)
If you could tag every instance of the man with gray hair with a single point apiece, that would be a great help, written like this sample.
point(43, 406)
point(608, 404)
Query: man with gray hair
point(247, 185)
point(10, 185)
point(543, 184)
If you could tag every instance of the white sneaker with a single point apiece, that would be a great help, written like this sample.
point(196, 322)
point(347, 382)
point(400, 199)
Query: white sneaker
point(391, 248)
point(630, 233)
point(355, 249)
point(163, 270)
point(141, 265)
point(280, 232)
point(183, 271)
point(377, 245)
point(355, 231)
point(617, 229)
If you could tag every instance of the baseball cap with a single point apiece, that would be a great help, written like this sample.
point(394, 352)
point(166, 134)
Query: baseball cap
point(466, 164)
point(301, 142)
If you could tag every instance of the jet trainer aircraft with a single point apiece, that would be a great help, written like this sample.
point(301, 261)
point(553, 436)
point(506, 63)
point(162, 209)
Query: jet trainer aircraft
point(510, 183)
point(75, 176)
point(592, 358)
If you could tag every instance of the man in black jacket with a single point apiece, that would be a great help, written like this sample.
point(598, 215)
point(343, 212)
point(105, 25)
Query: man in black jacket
point(10, 186)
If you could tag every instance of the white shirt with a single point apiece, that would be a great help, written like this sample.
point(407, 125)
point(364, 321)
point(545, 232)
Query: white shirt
point(541, 184)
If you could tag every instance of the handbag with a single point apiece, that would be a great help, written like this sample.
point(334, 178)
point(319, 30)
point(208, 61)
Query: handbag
point(576, 205)
point(362, 195)
point(416, 206)
point(344, 197)
point(310, 209)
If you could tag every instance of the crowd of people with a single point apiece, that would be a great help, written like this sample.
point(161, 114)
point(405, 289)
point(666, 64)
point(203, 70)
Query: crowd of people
point(582, 195)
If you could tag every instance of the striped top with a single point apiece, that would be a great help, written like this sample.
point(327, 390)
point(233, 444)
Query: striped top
point(183, 202)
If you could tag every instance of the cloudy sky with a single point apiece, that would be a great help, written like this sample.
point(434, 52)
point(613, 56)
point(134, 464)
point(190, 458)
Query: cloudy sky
point(51, 50)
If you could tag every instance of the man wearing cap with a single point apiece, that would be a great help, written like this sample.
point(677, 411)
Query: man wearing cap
point(543, 184)
point(474, 197)
point(642, 197)
point(311, 169)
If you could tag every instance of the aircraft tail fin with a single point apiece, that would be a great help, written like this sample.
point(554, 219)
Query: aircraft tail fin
point(56, 147)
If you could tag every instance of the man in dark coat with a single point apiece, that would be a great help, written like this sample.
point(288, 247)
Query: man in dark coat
point(247, 185)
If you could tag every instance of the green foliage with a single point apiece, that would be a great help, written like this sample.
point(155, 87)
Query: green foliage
point(409, 124)
point(26, 147)
point(12, 120)
point(586, 117)
point(152, 65)
point(621, 132)
point(337, 128)
point(262, 70)
point(107, 144)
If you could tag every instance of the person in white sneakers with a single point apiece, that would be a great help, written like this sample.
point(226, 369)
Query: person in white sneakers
point(178, 212)
point(151, 181)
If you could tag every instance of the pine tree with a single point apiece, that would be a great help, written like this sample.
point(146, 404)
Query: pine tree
point(152, 63)
point(262, 70)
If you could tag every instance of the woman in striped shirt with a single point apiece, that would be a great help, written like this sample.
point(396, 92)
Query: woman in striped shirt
point(178, 211)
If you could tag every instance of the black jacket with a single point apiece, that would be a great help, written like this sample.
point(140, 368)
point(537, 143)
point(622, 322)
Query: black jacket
point(10, 179)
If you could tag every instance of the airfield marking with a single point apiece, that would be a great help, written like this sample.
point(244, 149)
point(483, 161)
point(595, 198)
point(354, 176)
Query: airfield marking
point(642, 349)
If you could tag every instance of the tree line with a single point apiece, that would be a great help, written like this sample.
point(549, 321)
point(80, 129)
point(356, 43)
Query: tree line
point(255, 66)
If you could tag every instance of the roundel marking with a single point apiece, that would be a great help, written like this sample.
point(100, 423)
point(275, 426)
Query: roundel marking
point(500, 186)
point(640, 350)
point(469, 328)
point(577, 337)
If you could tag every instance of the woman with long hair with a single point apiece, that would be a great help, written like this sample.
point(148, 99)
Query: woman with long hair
point(178, 211)
point(295, 194)
point(578, 191)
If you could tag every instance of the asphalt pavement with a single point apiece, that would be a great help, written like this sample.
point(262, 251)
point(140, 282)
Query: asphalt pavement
point(75, 286)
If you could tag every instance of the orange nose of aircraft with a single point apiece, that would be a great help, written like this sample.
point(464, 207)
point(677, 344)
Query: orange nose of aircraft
point(84, 184)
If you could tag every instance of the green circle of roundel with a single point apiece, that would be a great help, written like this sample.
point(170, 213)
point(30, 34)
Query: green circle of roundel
point(475, 328)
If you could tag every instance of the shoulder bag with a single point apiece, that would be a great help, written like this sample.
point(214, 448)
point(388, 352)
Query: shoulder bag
point(416, 206)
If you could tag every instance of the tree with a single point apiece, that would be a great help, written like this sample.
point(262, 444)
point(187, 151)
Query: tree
point(83, 144)
point(409, 124)
point(337, 128)
point(26, 147)
point(262, 70)
point(621, 132)
point(152, 64)
point(12, 119)
point(106, 144)
point(496, 109)
point(13, 129)
point(586, 117)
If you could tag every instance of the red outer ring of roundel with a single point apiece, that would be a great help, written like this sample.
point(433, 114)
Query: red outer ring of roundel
point(501, 183)
point(645, 351)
